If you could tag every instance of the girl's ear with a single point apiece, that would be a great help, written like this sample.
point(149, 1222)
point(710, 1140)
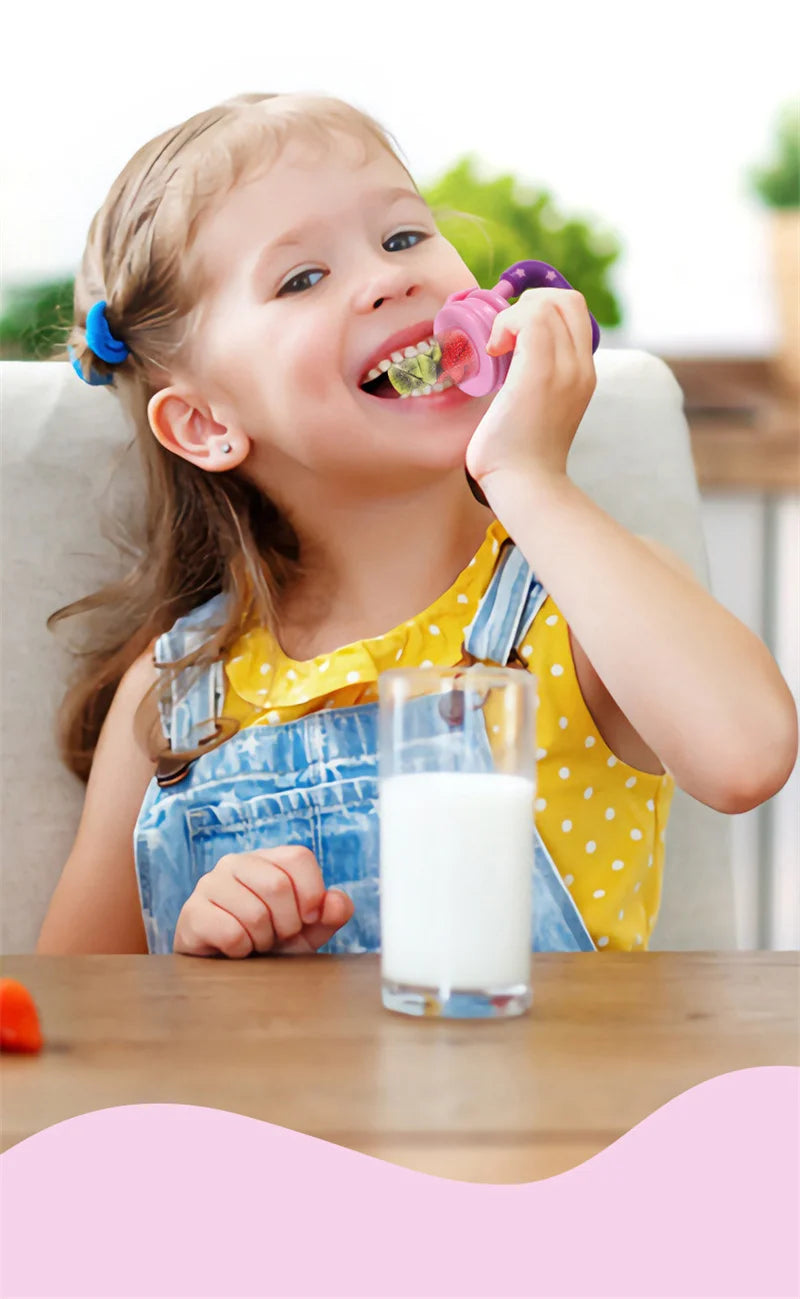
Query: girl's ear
point(193, 434)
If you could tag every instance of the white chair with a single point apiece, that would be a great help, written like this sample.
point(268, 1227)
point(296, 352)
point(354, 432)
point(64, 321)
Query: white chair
point(60, 439)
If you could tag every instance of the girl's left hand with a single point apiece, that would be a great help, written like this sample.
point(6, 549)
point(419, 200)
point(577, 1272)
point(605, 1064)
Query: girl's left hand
point(530, 425)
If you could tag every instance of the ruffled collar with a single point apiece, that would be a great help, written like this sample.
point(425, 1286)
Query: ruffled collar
point(260, 673)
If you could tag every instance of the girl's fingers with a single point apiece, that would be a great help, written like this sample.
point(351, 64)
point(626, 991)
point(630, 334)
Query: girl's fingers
point(205, 929)
point(304, 874)
point(337, 910)
point(245, 904)
point(537, 304)
point(272, 890)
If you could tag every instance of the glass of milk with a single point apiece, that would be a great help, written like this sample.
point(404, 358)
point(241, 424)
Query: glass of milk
point(457, 778)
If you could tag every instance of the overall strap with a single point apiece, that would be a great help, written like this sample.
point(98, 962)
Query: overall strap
point(511, 601)
point(188, 710)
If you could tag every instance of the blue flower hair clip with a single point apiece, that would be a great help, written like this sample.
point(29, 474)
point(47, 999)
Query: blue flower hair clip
point(104, 345)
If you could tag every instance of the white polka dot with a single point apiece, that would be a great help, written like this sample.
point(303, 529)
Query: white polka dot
point(602, 942)
point(636, 834)
point(612, 761)
point(495, 546)
point(587, 793)
point(264, 669)
point(569, 880)
point(398, 656)
point(434, 630)
point(352, 677)
point(621, 915)
point(637, 886)
point(563, 723)
point(540, 804)
point(592, 847)
point(471, 563)
point(527, 650)
point(599, 893)
point(557, 670)
point(552, 620)
point(617, 865)
point(273, 717)
point(630, 782)
point(610, 814)
point(651, 807)
point(495, 730)
point(328, 702)
point(262, 690)
point(566, 826)
point(237, 658)
point(463, 599)
point(291, 674)
point(323, 667)
point(541, 753)
point(564, 773)
point(426, 663)
point(650, 861)
point(639, 939)
point(589, 742)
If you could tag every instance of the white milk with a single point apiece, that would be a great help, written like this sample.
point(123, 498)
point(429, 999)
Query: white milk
point(456, 879)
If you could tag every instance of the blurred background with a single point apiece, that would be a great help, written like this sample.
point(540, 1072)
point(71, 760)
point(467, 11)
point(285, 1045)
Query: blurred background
point(651, 152)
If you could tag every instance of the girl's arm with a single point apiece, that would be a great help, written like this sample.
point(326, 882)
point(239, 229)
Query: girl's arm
point(696, 684)
point(95, 907)
point(702, 691)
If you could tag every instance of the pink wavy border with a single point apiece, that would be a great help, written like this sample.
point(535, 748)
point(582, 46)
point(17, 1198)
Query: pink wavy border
point(699, 1199)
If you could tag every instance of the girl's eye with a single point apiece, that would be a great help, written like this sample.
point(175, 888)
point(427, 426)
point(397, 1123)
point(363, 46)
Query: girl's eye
point(303, 279)
point(297, 285)
point(415, 235)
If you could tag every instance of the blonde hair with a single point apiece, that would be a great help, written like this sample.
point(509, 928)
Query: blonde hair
point(201, 533)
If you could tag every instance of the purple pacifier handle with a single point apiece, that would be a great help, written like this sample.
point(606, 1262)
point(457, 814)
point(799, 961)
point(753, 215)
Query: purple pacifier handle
point(537, 275)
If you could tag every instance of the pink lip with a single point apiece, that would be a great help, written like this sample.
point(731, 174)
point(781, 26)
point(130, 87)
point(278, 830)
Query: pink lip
point(395, 343)
point(450, 398)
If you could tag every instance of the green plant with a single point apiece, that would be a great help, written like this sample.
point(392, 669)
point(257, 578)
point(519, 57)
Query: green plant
point(778, 184)
point(35, 320)
point(517, 222)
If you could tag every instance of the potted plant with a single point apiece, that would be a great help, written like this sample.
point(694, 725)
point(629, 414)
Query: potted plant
point(778, 186)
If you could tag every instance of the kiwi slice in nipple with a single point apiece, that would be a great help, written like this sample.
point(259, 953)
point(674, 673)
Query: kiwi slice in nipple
point(415, 372)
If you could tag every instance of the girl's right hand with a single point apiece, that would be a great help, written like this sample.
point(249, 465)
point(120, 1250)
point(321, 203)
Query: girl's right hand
point(272, 900)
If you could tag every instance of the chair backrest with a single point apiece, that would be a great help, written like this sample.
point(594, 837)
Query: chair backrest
point(60, 440)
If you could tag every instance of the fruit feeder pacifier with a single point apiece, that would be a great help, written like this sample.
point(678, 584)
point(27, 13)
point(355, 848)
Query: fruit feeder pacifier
point(461, 332)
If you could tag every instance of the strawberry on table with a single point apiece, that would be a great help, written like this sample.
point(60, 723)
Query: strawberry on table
point(19, 1022)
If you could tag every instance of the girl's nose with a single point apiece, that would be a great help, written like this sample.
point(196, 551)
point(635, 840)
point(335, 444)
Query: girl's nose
point(384, 285)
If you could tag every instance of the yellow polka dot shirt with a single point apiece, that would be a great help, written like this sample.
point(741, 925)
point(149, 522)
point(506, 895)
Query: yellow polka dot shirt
point(602, 821)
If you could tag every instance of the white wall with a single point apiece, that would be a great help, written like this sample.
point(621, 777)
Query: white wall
point(646, 114)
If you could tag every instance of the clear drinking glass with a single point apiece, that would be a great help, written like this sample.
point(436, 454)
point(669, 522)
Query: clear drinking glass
point(457, 774)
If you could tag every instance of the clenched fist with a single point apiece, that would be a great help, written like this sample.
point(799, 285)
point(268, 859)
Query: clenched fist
point(271, 900)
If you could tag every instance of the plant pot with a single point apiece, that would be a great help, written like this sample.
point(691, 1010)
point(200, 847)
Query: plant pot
point(786, 271)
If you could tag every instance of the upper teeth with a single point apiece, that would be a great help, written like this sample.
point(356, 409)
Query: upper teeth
point(419, 349)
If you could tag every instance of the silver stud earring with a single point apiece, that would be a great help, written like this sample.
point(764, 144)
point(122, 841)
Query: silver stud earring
point(226, 448)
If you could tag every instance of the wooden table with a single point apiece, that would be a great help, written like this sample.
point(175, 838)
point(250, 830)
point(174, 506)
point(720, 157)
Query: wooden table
point(304, 1042)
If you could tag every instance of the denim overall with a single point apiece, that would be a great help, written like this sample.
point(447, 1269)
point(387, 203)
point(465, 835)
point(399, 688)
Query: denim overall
point(314, 782)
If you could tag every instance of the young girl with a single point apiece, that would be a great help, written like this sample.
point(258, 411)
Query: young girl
point(248, 274)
